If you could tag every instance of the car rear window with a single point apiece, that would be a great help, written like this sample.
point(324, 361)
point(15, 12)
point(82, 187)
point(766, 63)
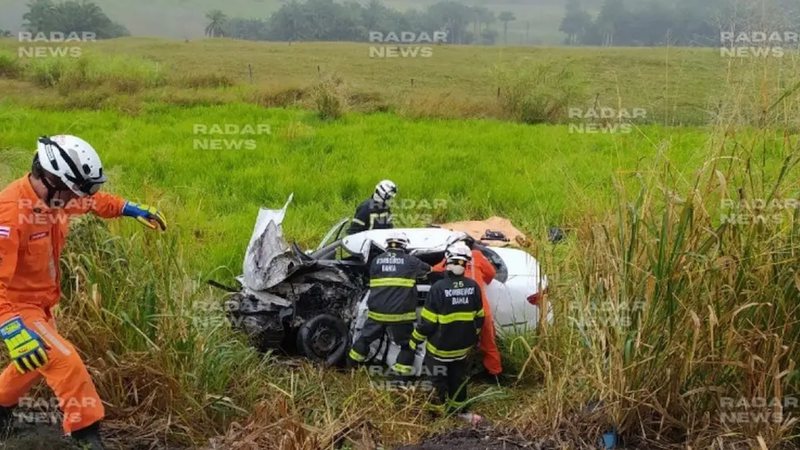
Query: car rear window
point(497, 261)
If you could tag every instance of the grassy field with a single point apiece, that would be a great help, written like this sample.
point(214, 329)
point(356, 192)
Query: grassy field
point(675, 86)
point(654, 290)
point(540, 176)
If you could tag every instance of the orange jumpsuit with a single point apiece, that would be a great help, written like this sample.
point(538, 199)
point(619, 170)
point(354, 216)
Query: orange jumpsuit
point(33, 236)
point(483, 272)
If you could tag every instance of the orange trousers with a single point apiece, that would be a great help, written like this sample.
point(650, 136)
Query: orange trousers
point(65, 373)
point(488, 344)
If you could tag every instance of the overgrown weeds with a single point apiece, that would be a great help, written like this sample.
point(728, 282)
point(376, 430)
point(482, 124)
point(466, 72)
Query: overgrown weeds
point(330, 97)
point(9, 66)
point(123, 75)
point(538, 93)
point(680, 319)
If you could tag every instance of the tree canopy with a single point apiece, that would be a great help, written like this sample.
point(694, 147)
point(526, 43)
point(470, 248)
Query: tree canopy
point(674, 22)
point(327, 20)
point(71, 16)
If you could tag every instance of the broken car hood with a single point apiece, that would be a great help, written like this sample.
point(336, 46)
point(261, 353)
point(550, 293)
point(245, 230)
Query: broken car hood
point(269, 259)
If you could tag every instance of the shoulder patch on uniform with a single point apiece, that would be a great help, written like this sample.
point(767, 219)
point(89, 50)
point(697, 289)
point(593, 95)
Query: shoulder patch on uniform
point(5, 232)
point(39, 235)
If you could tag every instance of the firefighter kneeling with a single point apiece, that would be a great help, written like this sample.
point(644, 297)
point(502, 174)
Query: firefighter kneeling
point(392, 302)
point(451, 322)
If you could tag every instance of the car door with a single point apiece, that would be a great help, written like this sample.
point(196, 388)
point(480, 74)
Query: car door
point(511, 305)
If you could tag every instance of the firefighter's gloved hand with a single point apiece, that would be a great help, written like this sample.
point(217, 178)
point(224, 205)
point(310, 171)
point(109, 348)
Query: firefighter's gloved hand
point(146, 215)
point(27, 349)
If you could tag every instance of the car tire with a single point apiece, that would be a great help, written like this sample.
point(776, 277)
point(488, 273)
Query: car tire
point(324, 339)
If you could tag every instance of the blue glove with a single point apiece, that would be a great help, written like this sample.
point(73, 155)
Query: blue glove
point(146, 215)
point(26, 348)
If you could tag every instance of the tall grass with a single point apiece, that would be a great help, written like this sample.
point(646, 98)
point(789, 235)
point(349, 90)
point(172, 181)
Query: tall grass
point(666, 307)
point(173, 373)
point(9, 66)
point(330, 97)
point(678, 315)
point(151, 333)
point(457, 82)
point(123, 75)
point(538, 93)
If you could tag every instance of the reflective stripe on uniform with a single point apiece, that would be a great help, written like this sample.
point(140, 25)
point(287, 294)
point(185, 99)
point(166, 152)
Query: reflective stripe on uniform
point(449, 354)
point(429, 315)
point(394, 282)
point(359, 221)
point(457, 317)
point(417, 335)
point(402, 317)
point(402, 369)
point(452, 317)
point(355, 356)
point(44, 332)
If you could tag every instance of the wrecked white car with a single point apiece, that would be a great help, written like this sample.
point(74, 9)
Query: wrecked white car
point(314, 302)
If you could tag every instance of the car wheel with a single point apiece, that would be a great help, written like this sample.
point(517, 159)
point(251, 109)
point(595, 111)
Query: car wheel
point(323, 338)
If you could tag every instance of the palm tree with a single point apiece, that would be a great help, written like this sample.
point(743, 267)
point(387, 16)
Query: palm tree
point(216, 23)
point(506, 17)
point(481, 17)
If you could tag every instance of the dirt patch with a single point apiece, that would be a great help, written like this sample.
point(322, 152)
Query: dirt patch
point(36, 437)
point(24, 436)
point(474, 439)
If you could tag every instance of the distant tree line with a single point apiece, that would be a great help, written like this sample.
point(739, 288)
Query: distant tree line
point(45, 16)
point(326, 20)
point(674, 22)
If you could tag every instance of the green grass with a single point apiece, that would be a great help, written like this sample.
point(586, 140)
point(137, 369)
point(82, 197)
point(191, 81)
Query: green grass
point(153, 327)
point(539, 176)
point(644, 213)
point(674, 85)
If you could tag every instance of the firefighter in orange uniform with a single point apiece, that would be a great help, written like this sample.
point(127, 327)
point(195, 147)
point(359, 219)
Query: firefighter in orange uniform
point(64, 181)
point(483, 272)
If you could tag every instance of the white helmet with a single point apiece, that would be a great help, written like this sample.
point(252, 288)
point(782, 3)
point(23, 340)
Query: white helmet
point(73, 161)
point(458, 252)
point(385, 191)
point(397, 239)
point(457, 256)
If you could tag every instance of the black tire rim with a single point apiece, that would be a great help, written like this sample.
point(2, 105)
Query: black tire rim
point(324, 341)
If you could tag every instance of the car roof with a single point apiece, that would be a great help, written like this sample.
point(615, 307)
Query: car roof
point(428, 240)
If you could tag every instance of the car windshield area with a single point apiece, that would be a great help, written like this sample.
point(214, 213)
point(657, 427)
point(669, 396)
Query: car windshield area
point(497, 262)
point(431, 258)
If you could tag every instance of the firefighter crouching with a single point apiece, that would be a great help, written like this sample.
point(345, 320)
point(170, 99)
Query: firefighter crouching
point(392, 302)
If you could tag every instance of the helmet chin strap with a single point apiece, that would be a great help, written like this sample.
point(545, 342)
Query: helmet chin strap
point(52, 190)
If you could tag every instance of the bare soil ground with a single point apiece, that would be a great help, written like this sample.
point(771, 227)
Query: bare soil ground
point(481, 438)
